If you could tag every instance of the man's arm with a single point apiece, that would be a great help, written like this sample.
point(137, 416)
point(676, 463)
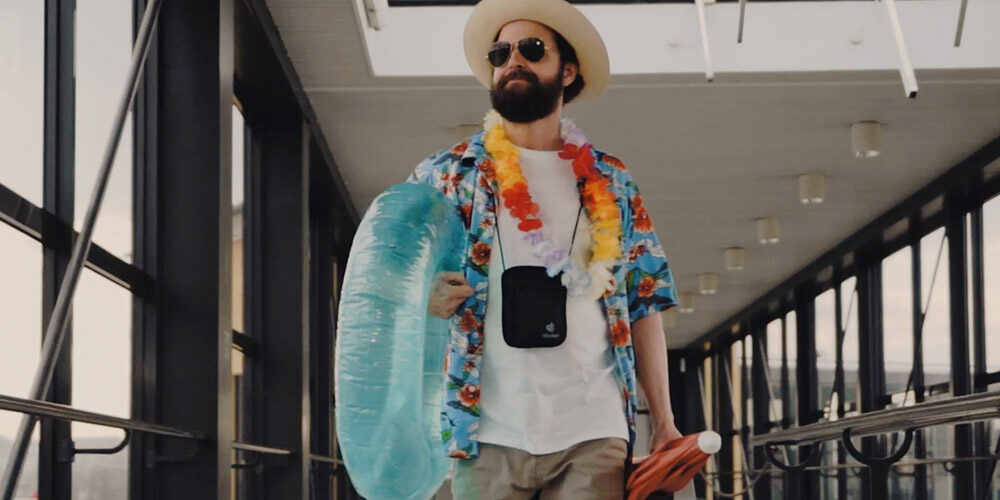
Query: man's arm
point(651, 365)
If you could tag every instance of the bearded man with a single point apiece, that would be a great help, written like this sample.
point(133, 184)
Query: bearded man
point(548, 332)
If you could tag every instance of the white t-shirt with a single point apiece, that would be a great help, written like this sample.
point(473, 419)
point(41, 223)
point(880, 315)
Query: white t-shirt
point(544, 400)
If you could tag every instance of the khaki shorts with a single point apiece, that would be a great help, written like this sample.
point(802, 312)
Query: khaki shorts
point(589, 470)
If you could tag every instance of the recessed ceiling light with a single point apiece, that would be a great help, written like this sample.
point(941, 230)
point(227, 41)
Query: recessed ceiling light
point(708, 283)
point(767, 230)
point(812, 188)
point(670, 318)
point(736, 258)
point(866, 139)
point(685, 303)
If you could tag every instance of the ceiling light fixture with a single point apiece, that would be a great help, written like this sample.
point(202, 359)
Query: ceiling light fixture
point(736, 258)
point(866, 139)
point(812, 188)
point(685, 303)
point(670, 318)
point(708, 283)
point(767, 230)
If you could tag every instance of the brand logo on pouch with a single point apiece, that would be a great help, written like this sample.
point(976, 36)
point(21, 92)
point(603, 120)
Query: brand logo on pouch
point(549, 332)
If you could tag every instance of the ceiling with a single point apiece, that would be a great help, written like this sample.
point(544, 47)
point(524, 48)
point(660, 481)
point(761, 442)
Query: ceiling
point(709, 158)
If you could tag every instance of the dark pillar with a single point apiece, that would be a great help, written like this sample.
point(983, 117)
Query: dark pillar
point(761, 404)
point(871, 373)
point(193, 239)
point(958, 306)
point(321, 327)
point(54, 472)
point(284, 246)
point(806, 378)
point(919, 444)
point(724, 414)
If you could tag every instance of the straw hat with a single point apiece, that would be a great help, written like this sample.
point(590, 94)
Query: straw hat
point(490, 15)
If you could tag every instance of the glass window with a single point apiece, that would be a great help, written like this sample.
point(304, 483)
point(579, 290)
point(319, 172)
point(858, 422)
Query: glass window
point(826, 348)
point(937, 327)
point(746, 362)
point(991, 281)
point(791, 343)
point(774, 355)
point(736, 398)
point(237, 200)
point(22, 82)
point(21, 310)
point(103, 53)
point(102, 347)
point(897, 320)
point(851, 353)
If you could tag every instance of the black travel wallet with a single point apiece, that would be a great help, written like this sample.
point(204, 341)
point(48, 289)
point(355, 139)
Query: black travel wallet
point(534, 308)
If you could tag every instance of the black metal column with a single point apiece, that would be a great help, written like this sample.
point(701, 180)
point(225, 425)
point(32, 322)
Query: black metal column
point(958, 307)
point(982, 430)
point(871, 371)
point(284, 333)
point(55, 468)
point(806, 377)
point(761, 403)
point(693, 412)
point(724, 415)
point(193, 239)
point(321, 325)
point(919, 442)
point(142, 482)
point(839, 384)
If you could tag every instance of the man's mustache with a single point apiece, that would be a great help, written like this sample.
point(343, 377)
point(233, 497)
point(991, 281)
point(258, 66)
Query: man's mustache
point(518, 74)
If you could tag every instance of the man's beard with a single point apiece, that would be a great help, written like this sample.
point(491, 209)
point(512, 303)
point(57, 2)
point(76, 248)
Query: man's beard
point(526, 105)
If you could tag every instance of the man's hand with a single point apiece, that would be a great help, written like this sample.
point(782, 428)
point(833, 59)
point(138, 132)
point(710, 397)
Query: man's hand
point(663, 434)
point(448, 292)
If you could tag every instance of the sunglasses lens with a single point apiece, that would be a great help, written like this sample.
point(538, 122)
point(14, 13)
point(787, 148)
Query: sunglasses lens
point(532, 49)
point(499, 53)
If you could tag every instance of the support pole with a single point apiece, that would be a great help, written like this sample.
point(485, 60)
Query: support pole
point(961, 22)
point(709, 73)
point(905, 68)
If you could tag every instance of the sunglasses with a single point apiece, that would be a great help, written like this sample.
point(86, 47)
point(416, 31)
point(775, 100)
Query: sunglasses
point(532, 49)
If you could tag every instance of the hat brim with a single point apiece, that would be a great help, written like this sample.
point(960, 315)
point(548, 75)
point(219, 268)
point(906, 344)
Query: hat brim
point(489, 16)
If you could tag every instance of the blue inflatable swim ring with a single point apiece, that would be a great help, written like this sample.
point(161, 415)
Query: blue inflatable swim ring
point(389, 366)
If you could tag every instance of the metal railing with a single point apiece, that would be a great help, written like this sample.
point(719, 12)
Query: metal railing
point(961, 409)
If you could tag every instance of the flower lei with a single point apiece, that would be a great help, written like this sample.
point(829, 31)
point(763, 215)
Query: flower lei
point(596, 195)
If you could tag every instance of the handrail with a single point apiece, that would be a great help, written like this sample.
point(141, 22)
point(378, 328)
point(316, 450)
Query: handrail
point(68, 413)
point(55, 330)
point(256, 448)
point(327, 460)
point(961, 409)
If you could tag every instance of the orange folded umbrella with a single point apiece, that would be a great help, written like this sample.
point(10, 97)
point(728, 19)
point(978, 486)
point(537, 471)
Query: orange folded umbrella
point(673, 467)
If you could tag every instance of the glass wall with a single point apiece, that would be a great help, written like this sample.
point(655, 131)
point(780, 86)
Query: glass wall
point(21, 310)
point(22, 73)
point(103, 52)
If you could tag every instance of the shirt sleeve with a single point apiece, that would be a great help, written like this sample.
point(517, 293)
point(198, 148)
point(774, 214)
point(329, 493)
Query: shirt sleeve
point(650, 282)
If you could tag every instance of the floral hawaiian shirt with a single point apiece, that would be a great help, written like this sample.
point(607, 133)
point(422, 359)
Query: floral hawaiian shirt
point(643, 281)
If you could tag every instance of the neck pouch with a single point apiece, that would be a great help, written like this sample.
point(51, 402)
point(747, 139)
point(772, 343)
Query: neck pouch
point(534, 307)
point(534, 303)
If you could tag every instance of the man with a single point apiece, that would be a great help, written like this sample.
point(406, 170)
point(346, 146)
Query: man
point(546, 410)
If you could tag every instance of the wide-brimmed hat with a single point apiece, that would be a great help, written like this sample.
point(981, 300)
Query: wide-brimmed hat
point(490, 15)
